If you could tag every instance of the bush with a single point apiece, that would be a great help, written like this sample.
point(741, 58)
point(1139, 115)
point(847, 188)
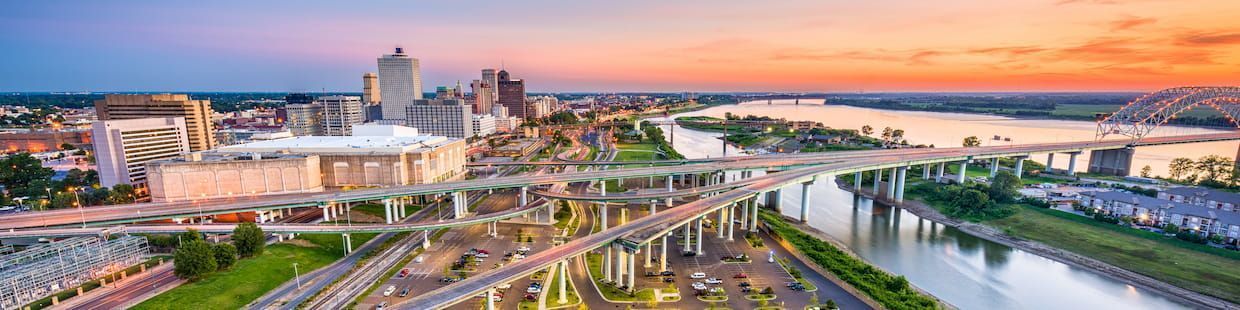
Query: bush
point(225, 255)
point(248, 239)
point(193, 260)
point(1191, 236)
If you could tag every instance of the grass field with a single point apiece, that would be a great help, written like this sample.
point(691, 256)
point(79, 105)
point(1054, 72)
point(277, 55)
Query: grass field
point(377, 209)
point(637, 151)
point(553, 293)
point(1088, 110)
point(1195, 267)
point(253, 277)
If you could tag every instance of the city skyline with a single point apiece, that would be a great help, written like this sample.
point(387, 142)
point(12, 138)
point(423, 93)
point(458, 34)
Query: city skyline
point(1050, 45)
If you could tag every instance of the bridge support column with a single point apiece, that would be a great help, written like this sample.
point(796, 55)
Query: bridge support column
point(348, 243)
point(551, 205)
point(491, 298)
point(964, 166)
point(687, 233)
point(857, 181)
point(563, 270)
point(624, 216)
point(772, 199)
point(805, 189)
point(938, 177)
point(878, 181)
point(731, 220)
point(1113, 162)
point(649, 254)
point(326, 216)
point(699, 235)
point(621, 256)
point(426, 239)
point(891, 184)
point(1020, 166)
point(632, 254)
point(663, 254)
point(602, 188)
point(607, 262)
point(387, 210)
point(459, 205)
point(925, 172)
point(404, 202)
point(602, 215)
point(1072, 162)
point(1050, 162)
point(744, 204)
point(899, 184)
point(753, 222)
point(719, 225)
point(994, 167)
point(525, 200)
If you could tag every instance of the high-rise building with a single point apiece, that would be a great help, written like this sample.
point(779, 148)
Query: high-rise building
point(484, 96)
point(488, 76)
point(442, 117)
point(370, 89)
point(340, 113)
point(400, 83)
point(123, 147)
point(304, 119)
point(512, 95)
point(197, 113)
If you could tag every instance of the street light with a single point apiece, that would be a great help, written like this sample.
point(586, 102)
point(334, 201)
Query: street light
point(297, 276)
point(77, 200)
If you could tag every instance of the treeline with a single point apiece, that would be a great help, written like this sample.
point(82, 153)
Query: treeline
point(194, 258)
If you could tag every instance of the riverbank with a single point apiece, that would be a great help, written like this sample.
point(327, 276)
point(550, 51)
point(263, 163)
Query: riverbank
point(997, 235)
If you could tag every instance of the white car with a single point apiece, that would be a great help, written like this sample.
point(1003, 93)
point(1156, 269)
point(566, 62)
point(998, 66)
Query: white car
point(697, 275)
point(504, 286)
point(713, 281)
point(523, 249)
point(419, 259)
point(482, 255)
point(533, 290)
point(699, 286)
point(388, 292)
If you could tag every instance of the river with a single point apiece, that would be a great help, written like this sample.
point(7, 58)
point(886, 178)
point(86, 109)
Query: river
point(966, 271)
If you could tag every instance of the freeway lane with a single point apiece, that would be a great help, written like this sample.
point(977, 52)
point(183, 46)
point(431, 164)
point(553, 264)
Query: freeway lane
point(121, 214)
point(646, 228)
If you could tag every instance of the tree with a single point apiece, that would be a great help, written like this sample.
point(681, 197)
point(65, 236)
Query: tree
point(1004, 187)
point(248, 239)
point(18, 171)
point(887, 134)
point(121, 193)
point(1180, 167)
point(1214, 167)
point(1146, 171)
point(1171, 228)
point(867, 130)
point(66, 146)
point(225, 255)
point(193, 260)
point(190, 235)
point(898, 135)
point(972, 141)
point(831, 304)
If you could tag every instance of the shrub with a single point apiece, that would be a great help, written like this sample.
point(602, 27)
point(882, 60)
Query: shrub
point(193, 260)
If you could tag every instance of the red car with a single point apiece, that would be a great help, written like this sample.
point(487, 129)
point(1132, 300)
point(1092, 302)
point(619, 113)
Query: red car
point(404, 273)
point(740, 276)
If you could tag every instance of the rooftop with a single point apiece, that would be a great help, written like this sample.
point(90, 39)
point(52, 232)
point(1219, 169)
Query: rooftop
point(1171, 206)
point(341, 144)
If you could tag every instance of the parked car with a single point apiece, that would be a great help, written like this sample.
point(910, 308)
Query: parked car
point(688, 253)
point(746, 289)
point(531, 297)
point(740, 276)
point(713, 281)
point(669, 280)
point(699, 286)
point(668, 273)
point(482, 255)
point(743, 284)
point(697, 275)
point(504, 286)
point(651, 274)
point(419, 259)
point(403, 273)
point(381, 305)
point(390, 289)
point(404, 292)
point(523, 249)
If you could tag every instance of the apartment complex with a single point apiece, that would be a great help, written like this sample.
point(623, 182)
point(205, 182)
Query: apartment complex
point(196, 113)
point(340, 113)
point(442, 117)
point(123, 147)
point(1199, 216)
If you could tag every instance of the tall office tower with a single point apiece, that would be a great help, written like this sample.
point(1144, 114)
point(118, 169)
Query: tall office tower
point(123, 147)
point(400, 83)
point(340, 113)
point(458, 90)
point(442, 117)
point(484, 96)
point(512, 95)
point(488, 75)
point(443, 92)
point(370, 89)
point(197, 113)
point(304, 119)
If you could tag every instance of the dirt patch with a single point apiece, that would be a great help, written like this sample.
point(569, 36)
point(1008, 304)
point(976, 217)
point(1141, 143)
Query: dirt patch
point(301, 243)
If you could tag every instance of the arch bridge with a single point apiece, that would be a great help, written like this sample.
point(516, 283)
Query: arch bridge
point(1141, 116)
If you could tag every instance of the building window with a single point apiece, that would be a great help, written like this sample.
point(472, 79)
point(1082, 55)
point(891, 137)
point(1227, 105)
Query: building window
point(340, 173)
point(371, 172)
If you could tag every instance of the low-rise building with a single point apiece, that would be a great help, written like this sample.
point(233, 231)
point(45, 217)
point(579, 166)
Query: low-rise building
point(123, 147)
point(484, 125)
point(204, 175)
point(1211, 198)
point(1152, 211)
point(517, 148)
point(43, 140)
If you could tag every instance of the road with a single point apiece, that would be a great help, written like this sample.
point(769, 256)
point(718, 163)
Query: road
point(120, 214)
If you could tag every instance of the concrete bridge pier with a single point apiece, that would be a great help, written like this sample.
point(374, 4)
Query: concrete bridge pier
point(938, 178)
point(964, 166)
point(899, 184)
point(632, 254)
point(744, 204)
point(1072, 162)
point(663, 253)
point(525, 197)
point(490, 305)
point(925, 172)
point(1020, 165)
point(607, 262)
point(731, 219)
point(602, 215)
point(878, 180)
point(426, 239)
point(327, 216)
point(994, 167)
point(772, 199)
point(1113, 162)
point(563, 270)
point(621, 255)
point(891, 184)
point(602, 187)
point(699, 235)
point(753, 226)
point(387, 210)
point(857, 181)
point(719, 225)
point(649, 254)
point(686, 234)
point(458, 205)
point(348, 243)
point(1050, 161)
point(805, 189)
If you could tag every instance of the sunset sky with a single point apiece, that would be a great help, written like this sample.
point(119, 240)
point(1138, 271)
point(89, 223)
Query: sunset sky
point(832, 46)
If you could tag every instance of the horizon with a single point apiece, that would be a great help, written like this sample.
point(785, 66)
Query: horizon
point(703, 47)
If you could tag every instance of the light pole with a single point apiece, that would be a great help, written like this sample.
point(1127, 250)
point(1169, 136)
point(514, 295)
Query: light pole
point(81, 209)
point(297, 276)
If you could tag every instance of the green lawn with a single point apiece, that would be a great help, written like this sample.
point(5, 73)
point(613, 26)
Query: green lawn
point(377, 209)
point(637, 151)
point(594, 262)
point(253, 277)
point(1195, 267)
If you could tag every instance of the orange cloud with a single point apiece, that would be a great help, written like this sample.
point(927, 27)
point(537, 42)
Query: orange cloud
point(1130, 22)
